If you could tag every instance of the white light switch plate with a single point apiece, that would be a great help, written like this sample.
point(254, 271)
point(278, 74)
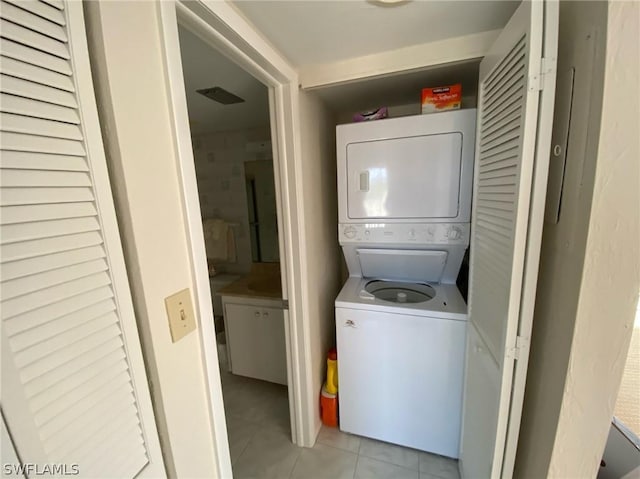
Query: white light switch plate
point(180, 311)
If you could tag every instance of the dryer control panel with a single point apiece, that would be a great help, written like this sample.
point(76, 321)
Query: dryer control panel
point(407, 234)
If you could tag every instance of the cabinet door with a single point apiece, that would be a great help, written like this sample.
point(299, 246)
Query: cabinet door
point(74, 388)
point(256, 342)
point(517, 85)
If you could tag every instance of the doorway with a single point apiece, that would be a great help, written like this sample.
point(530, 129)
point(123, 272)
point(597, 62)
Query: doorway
point(232, 149)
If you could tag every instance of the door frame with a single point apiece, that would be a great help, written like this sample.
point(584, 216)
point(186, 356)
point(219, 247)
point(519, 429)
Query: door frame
point(220, 25)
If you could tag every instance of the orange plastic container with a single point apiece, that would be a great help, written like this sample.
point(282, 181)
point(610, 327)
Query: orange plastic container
point(329, 408)
point(332, 372)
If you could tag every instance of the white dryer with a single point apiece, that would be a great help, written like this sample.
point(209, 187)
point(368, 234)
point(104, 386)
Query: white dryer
point(404, 193)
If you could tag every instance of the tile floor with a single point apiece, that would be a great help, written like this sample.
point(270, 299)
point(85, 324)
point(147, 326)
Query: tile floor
point(260, 443)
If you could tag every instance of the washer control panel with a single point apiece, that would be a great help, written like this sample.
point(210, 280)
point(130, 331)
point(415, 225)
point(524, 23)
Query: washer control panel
point(428, 233)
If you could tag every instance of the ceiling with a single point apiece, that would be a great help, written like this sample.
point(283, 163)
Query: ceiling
point(205, 67)
point(311, 32)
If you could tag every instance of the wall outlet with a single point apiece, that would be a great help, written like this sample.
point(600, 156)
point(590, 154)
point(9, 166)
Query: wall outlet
point(180, 312)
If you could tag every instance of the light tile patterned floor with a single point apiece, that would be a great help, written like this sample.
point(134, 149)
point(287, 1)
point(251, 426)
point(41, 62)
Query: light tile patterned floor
point(260, 443)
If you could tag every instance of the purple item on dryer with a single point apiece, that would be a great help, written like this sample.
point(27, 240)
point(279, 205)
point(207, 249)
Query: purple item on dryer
point(376, 114)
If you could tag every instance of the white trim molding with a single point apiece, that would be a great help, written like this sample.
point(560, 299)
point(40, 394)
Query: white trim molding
point(220, 25)
point(191, 206)
point(402, 60)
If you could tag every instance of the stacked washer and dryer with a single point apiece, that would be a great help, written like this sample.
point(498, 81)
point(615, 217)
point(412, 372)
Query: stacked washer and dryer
point(404, 201)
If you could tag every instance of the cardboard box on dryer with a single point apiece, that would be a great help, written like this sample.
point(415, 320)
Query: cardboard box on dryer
point(441, 98)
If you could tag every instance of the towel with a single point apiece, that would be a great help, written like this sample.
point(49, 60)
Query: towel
point(219, 241)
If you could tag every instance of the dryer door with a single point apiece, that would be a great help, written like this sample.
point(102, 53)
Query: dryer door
point(404, 178)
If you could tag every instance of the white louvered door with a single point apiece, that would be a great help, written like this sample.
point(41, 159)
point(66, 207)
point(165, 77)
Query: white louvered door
point(74, 389)
point(517, 83)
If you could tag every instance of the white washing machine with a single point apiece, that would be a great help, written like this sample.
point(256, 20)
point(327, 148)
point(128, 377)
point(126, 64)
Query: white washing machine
point(404, 201)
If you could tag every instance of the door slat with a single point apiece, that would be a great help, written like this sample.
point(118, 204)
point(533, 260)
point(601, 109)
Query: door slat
point(17, 51)
point(38, 109)
point(24, 17)
point(20, 34)
point(41, 9)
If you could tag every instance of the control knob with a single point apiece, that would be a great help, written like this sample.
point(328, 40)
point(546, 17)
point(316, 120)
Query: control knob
point(350, 232)
point(454, 233)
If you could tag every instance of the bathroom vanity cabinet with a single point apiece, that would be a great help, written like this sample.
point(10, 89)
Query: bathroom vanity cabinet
point(255, 338)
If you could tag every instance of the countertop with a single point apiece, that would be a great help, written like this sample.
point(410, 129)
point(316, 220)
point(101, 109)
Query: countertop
point(262, 282)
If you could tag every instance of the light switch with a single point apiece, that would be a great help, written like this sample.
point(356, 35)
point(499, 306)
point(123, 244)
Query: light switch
point(180, 311)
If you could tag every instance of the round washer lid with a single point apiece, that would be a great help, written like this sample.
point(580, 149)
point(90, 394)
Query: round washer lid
point(398, 292)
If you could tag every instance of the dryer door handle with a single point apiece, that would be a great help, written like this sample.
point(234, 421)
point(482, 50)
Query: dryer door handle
point(364, 180)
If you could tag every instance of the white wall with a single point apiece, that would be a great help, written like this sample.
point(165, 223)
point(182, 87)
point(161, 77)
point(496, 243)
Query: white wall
point(219, 160)
point(611, 275)
point(319, 188)
point(589, 279)
point(130, 85)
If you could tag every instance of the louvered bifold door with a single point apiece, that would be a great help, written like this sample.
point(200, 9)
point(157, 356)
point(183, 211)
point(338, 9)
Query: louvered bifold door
point(510, 178)
point(74, 392)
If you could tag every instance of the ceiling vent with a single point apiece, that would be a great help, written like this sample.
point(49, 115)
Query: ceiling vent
point(221, 95)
